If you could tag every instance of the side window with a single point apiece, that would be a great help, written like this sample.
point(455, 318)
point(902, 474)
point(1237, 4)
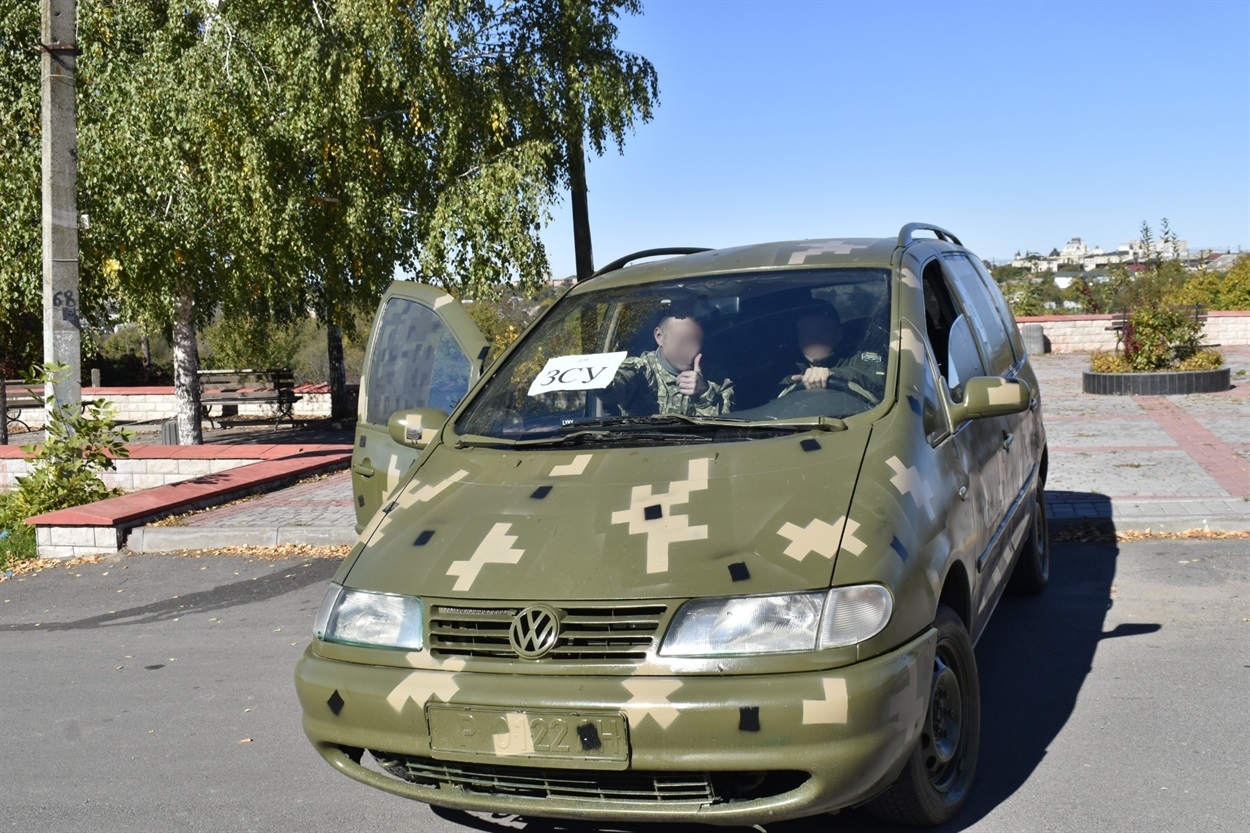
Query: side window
point(963, 360)
point(949, 333)
point(935, 425)
point(415, 362)
point(1004, 309)
point(987, 323)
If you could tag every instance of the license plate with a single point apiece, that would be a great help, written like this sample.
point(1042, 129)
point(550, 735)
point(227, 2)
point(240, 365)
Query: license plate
point(568, 738)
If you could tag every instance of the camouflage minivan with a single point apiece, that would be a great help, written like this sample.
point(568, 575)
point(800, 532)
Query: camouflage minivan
point(712, 541)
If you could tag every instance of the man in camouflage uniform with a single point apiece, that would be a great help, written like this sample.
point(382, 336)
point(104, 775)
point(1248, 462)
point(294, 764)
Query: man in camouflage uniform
point(819, 332)
point(669, 379)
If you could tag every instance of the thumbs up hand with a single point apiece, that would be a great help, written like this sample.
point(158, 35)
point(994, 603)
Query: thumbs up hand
point(691, 382)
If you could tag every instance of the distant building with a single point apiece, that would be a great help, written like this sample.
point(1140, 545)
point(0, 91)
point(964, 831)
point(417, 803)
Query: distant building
point(1076, 253)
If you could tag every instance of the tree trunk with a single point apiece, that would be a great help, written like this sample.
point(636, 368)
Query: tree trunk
point(146, 343)
point(340, 407)
point(4, 410)
point(186, 367)
point(581, 210)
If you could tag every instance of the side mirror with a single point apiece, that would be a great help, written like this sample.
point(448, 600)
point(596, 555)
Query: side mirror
point(988, 396)
point(416, 428)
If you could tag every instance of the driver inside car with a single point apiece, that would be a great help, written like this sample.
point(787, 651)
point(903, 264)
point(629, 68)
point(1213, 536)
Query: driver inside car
point(823, 365)
point(671, 379)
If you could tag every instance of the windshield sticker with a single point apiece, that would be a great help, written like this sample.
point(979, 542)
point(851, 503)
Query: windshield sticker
point(593, 371)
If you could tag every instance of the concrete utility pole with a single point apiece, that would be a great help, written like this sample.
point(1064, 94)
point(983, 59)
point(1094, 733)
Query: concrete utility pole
point(62, 337)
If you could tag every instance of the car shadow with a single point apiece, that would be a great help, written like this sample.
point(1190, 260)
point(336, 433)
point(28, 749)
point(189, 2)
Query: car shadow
point(1033, 658)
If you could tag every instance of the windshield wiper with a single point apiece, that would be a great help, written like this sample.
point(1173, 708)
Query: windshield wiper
point(660, 428)
point(813, 423)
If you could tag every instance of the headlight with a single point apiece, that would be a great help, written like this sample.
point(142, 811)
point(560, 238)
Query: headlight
point(377, 620)
point(778, 624)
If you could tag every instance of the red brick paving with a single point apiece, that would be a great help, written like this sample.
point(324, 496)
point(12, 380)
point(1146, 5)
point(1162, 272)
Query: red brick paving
point(1219, 459)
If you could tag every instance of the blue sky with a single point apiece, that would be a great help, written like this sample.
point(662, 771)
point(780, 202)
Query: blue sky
point(1016, 125)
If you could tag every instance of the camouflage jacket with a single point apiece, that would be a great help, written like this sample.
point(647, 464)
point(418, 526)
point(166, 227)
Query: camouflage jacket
point(647, 385)
point(864, 371)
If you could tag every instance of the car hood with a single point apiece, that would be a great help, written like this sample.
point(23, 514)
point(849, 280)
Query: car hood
point(739, 518)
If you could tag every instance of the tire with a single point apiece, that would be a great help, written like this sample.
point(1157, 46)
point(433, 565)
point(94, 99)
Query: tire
point(1032, 571)
point(937, 778)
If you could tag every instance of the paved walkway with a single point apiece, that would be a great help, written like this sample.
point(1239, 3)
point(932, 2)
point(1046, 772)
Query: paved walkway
point(1138, 463)
point(1165, 463)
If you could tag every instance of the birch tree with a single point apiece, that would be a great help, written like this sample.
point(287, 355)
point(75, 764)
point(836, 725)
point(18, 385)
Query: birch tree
point(271, 159)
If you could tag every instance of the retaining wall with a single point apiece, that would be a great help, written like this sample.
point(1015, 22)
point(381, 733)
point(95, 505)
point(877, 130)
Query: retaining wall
point(150, 466)
point(1089, 333)
point(155, 404)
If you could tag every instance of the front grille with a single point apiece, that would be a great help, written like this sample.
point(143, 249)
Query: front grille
point(630, 787)
point(608, 632)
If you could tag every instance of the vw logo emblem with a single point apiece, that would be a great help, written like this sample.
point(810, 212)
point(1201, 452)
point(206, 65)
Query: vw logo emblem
point(534, 631)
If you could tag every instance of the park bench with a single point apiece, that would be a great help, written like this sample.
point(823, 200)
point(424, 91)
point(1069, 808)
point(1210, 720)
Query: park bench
point(1120, 319)
point(228, 389)
point(18, 396)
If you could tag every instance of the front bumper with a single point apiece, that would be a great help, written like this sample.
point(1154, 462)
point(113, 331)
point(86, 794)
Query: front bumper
point(741, 750)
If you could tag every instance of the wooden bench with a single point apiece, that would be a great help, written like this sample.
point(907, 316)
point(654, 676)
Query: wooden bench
point(1119, 320)
point(18, 396)
point(228, 389)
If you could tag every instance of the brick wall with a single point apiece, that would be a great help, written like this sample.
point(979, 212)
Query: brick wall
point(1088, 333)
point(153, 405)
point(131, 475)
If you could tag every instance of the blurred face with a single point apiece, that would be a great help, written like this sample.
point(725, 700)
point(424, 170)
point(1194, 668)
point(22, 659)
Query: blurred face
point(818, 336)
point(679, 340)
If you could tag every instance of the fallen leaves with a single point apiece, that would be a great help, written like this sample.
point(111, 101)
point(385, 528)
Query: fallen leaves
point(278, 553)
point(1101, 535)
point(31, 566)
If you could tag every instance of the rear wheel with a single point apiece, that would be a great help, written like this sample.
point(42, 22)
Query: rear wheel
point(1032, 570)
point(937, 778)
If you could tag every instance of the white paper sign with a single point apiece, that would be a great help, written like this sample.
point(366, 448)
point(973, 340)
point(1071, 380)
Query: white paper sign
point(594, 371)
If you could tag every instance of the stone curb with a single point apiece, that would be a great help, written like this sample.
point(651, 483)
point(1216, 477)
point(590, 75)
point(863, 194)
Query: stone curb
point(1129, 515)
point(156, 539)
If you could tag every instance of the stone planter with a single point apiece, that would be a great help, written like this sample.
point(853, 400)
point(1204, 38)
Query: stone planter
point(1156, 383)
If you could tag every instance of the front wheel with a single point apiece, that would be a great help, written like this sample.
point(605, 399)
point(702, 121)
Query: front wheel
point(937, 777)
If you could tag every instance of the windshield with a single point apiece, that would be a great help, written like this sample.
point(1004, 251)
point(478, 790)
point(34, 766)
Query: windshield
point(756, 350)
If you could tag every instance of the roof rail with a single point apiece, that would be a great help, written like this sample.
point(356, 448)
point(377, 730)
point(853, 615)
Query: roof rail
point(621, 262)
point(905, 233)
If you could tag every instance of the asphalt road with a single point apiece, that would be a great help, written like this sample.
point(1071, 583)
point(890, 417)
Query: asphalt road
point(154, 693)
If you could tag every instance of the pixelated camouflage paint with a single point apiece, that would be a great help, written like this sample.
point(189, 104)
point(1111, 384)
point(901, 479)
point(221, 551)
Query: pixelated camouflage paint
point(875, 503)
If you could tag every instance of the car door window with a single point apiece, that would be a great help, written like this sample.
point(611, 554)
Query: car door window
point(950, 334)
point(416, 363)
point(986, 322)
point(1004, 309)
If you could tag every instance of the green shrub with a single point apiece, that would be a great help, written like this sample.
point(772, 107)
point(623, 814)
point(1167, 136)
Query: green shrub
point(1202, 360)
point(17, 538)
point(1157, 337)
point(1102, 362)
point(79, 446)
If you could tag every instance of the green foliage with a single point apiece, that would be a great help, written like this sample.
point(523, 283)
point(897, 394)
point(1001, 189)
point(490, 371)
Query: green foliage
point(80, 445)
point(20, 241)
point(1027, 293)
point(17, 538)
point(119, 356)
point(245, 342)
point(1102, 362)
point(503, 319)
point(1228, 290)
point(1157, 337)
